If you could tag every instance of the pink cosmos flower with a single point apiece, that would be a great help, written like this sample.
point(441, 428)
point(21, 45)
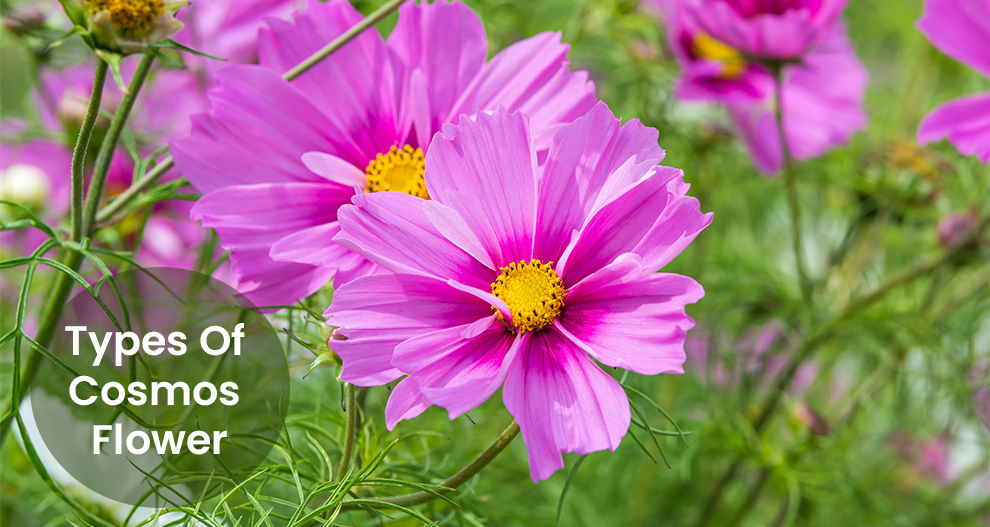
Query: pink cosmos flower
point(724, 48)
point(276, 159)
point(960, 29)
point(523, 276)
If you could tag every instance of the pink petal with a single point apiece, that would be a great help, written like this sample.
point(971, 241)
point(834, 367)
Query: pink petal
point(458, 370)
point(333, 168)
point(485, 169)
point(405, 402)
point(447, 42)
point(679, 224)
point(392, 230)
point(256, 132)
point(531, 76)
point(961, 29)
point(355, 84)
point(379, 312)
point(629, 318)
point(584, 157)
point(562, 401)
point(965, 122)
point(250, 219)
point(617, 227)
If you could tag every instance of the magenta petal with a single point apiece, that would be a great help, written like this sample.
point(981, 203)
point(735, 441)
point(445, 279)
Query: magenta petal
point(251, 218)
point(675, 229)
point(446, 41)
point(405, 402)
point(376, 313)
point(354, 84)
point(629, 318)
point(485, 169)
point(961, 29)
point(617, 227)
point(392, 230)
point(965, 122)
point(584, 158)
point(562, 401)
point(531, 76)
point(313, 246)
point(248, 138)
point(457, 370)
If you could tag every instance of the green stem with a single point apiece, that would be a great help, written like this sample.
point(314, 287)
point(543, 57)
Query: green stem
point(751, 499)
point(109, 146)
point(63, 284)
point(350, 430)
point(456, 480)
point(340, 41)
point(122, 199)
point(82, 147)
point(790, 185)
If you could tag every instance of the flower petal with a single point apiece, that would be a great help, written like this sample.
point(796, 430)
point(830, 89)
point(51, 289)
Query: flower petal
point(617, 227)
point(356, 81)
point(405, 402)
point(961, 29)
point(531, 76)
point(627, 317)
point(392, 230)
point(675, 229)
point(378, 312)
point(485, 169)
point(458, 370)
point(446, 41)
point(562, 401)
point(965, 122)
point(583, 157)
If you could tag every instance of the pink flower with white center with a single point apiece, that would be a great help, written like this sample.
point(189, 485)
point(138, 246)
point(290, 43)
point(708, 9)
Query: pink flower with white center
point(960, 29)
point(276, 159)
point(521, 277)
point(823, 81)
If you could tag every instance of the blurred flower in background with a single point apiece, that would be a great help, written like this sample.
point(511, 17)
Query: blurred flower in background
point(960, 29)
point(730, 51)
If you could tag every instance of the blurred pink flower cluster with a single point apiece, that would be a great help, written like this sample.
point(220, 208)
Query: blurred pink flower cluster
point(730, 51)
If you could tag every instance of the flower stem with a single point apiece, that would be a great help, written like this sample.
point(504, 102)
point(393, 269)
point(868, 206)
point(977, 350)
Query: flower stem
point(456, 480)
point(82, 147)
point(350, 429)
point(790, 185)
point(125, 197)
point(63, 284)
point(107, 149)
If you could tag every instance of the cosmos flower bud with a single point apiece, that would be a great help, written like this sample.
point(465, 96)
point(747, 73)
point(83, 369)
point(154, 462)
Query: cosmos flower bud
point(806, 416)
point(956, 227)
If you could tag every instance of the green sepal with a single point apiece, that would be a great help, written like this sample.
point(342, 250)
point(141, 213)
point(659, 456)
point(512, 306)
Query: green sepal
point(75, 12)
point(62, 38)
point(112, 58)
point(171, 44)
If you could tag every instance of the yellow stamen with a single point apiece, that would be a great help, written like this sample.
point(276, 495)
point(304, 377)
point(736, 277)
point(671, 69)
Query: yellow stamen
point(399, 171)
point(532, 292)
point(709, 48)
point(135, 16)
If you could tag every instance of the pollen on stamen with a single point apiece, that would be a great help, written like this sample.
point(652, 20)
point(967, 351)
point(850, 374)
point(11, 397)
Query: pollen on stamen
point(533, 293)
point(399, 170)
point(130, 16)
point(704, 46)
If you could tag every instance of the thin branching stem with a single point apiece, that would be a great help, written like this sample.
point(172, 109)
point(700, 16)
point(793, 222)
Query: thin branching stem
point(63, 284)
point(454, 481)
point(790, 185)
point(125, 197)
point(810, 344)
point(82, 147)
point(350, 429)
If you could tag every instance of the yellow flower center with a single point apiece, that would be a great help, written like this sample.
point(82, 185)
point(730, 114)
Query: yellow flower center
point(131, 15)
point(399, 170)
point(708, 48)
point(532, 292)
